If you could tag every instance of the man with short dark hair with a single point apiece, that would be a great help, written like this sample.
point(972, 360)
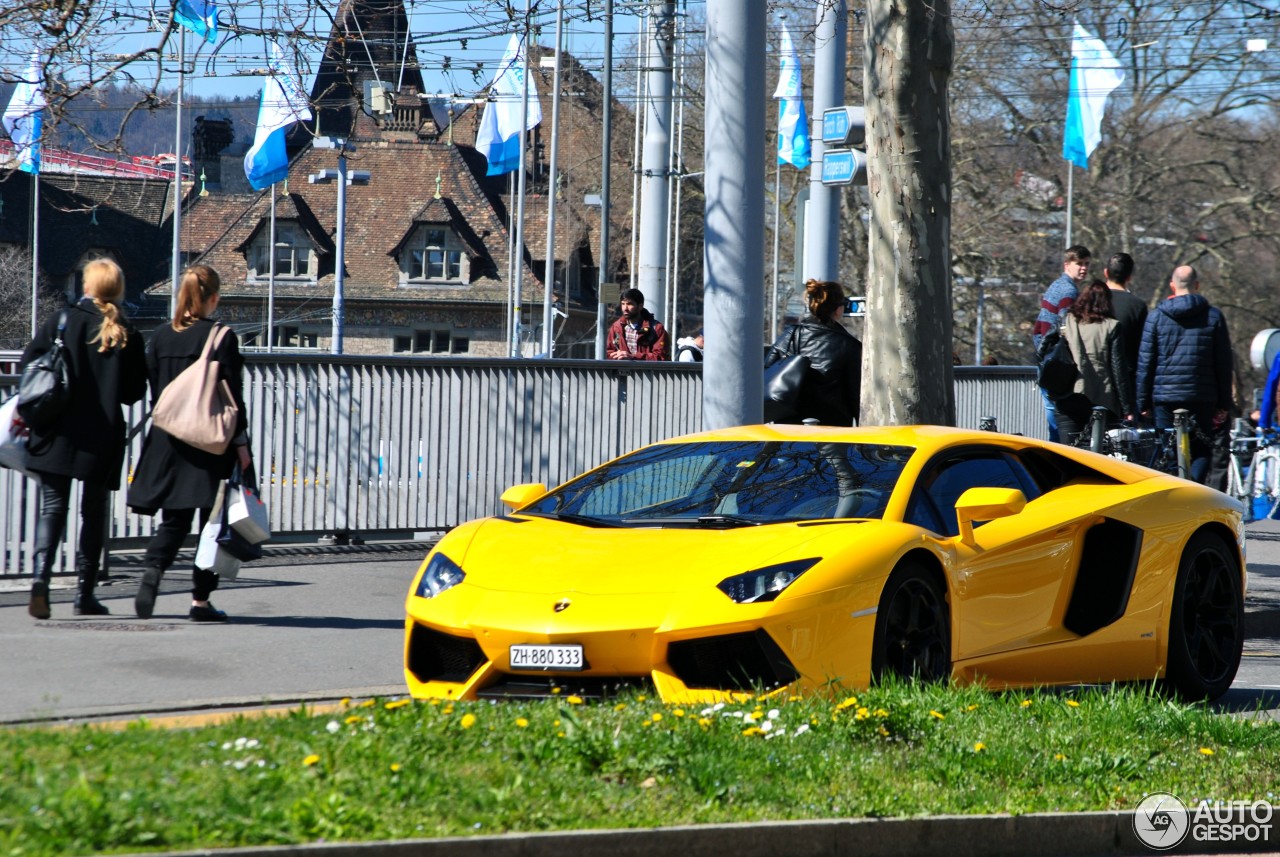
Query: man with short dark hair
point(1185, 362)
point(1055, 302)
point(1130, 310)
point(636, 335)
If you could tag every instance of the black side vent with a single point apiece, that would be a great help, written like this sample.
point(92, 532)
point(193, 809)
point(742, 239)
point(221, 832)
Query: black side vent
point(1108, 564)
point(750, 661)
point(434, 656)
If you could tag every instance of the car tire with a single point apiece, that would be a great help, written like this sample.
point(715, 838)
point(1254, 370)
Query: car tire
point(1206, 621)
point(913, 627)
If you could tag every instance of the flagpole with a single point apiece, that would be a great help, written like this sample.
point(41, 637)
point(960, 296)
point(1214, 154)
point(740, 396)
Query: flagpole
point(511, 255)
point(777, 208)
point(271, 276)
point(35, 248)
point(549, 266)
point(1071, 172)
point(175, 262)
point(524, 121)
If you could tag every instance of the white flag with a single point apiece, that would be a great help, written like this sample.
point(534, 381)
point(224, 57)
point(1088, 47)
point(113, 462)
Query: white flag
point(793, 123)
point(1094, 74)
point(22, 118)
point(498, 137)
point(283, 103)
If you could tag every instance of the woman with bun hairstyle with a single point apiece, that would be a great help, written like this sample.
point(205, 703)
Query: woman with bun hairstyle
point(833, 384)
point(106, 359)
point(174, 477)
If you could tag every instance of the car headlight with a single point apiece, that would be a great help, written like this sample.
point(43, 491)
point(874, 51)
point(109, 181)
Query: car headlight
point(764, 584)
point(442, 573)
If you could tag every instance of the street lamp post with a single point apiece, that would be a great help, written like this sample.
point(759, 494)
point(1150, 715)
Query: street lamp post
point(343, 177)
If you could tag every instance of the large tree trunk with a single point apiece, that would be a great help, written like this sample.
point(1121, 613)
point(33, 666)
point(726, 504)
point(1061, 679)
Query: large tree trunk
point(907, 354)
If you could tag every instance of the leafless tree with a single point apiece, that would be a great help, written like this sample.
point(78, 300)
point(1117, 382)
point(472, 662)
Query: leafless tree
point(15, 298)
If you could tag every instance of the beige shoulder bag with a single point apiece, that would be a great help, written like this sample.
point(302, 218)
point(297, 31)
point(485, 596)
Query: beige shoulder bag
point(197, 407)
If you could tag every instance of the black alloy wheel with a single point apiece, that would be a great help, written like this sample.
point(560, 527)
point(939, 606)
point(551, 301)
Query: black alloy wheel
point(913, 627)
point(1206, 622)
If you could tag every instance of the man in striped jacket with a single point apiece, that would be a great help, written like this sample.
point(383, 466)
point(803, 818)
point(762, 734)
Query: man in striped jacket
point(1057, 299)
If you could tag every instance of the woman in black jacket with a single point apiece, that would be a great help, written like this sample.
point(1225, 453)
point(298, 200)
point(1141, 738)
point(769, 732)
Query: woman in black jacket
point(173, 476)
point(105, 355)
point(833, 384)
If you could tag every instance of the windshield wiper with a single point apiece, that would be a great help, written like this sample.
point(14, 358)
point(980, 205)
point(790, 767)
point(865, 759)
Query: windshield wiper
point(726, 521)
point(567, 517)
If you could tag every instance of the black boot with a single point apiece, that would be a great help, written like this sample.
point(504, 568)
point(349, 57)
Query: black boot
point(38, 607)
point(48, 533)
point(144, 603)
point(86, 604)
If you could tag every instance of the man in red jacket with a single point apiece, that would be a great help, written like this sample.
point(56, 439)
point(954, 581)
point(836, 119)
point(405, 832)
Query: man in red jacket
point(637, 335)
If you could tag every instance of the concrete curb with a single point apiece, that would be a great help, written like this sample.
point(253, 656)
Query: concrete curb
point(1044, 834)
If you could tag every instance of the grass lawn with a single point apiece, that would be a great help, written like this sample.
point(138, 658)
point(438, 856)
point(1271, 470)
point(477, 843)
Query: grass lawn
point(387, 769)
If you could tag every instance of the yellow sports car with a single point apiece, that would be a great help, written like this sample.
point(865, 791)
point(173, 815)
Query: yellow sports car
point(774, 557)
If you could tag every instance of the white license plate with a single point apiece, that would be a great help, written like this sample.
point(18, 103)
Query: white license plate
point(531, 657)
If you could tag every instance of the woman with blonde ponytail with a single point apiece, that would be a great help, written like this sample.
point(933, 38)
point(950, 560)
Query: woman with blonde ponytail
point(108, 370)
point(173, 477)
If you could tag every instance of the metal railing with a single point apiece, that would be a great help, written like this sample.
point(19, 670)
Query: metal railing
point(391, 446)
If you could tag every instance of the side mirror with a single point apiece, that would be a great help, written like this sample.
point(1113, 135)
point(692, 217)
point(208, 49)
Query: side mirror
point(986, 504)
point(522, 495)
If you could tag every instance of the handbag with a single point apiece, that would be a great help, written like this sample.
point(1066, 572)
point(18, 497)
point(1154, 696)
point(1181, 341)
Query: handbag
point(1056, 371)
point(784, 377)
point(13, 438)
point(44, 390)
point(247, 513)
point(197, 407)
point(221, 549)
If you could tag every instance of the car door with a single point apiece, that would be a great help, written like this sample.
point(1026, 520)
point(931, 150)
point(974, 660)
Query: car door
point(1011, 586)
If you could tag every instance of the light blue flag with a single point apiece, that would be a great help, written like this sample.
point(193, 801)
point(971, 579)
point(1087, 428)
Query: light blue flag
point(793, 123)
point(283, 103)
point(199, 17)
point(1094, 74)
point(22, 118)
point(498, 137)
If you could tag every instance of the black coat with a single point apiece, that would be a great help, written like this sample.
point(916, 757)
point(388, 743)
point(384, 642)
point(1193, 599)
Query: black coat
point(88, 442)
point(170, 473)
point(833, 386)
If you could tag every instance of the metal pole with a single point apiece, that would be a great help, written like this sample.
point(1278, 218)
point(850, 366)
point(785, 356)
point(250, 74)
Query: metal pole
point(549, 272)
point(822, 224)
point(734, 250)
point(271, 278)
point(519, 240)
point(339, 260)
point(656, 181)
point(1071, 174)
point(175, 262)
point(635, 167)
point(676, 170)
point(35, 250)
point(512, 304)
point(982, 312)
point(606, 161)
point(777, 210)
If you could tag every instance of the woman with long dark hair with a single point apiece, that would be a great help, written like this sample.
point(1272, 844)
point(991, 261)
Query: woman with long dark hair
point(833, 384)
point(176, 478)
point(1106, 378)
point(87, 442)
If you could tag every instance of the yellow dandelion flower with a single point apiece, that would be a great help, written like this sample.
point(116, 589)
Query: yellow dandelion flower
point(448, 709)
point(1026, 703)
point(848, 703)
point(1071, 703)
point(647, 723)
point(555, 691)
point(556, 723)
point(352, 719)
point(679, 712)
point(756, 715)
point(793, 698)
point(468, 720)
point(313, 759)
point(657, 716)
point(641, 698)
point(1059, 757)
point(753, 730)
point(399, 703)
point(369, 703)
point(345, 701)
point(880, 712)
point(559, 734)
point(395, 767)
point(979, 747)
point(938, 715)
point(1206, 751)
point(522, 723)
point(704, 722)
point(435, 702)
point(573, 700)
point(620, 706)
point(883, 730)
point(972, 707)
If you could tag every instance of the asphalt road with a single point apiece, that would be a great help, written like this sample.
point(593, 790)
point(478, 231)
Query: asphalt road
point(320, 624)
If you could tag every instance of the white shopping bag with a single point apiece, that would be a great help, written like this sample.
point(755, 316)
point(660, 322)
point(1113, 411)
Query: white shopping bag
point(214, 557)
point(13, 440)
point(247, 514)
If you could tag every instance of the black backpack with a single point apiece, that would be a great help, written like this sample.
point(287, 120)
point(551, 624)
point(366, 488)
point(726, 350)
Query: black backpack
point(1056, 371)
point(45, 388)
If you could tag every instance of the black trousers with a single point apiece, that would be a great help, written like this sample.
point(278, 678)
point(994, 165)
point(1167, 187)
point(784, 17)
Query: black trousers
point(55, 498)
point(162, 550)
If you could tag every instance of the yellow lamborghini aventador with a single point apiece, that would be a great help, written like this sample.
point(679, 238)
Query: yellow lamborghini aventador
point(769, 557)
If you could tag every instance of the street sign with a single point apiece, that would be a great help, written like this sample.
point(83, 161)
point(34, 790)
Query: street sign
point(844, 166)
point(843, 126)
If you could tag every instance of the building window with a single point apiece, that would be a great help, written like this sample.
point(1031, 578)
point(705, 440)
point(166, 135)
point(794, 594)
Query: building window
point(293, 253)
point(434, 255)
point(434, 341)
point(295, 337)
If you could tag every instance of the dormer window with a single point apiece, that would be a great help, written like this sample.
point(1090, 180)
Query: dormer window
point(434, 254)
point(295, 258)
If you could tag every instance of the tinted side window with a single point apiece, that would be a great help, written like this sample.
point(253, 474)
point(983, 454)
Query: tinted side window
point(933, 505)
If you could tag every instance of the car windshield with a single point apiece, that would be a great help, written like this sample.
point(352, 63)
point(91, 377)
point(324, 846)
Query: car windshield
point(721, 484)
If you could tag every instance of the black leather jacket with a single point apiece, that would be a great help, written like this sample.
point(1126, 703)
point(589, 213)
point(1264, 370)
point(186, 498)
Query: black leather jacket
point(834, 384)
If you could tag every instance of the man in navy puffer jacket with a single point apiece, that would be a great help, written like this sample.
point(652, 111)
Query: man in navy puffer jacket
point(1185, 362)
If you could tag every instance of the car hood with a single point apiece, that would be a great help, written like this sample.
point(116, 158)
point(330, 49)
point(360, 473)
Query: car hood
point(545, 556)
